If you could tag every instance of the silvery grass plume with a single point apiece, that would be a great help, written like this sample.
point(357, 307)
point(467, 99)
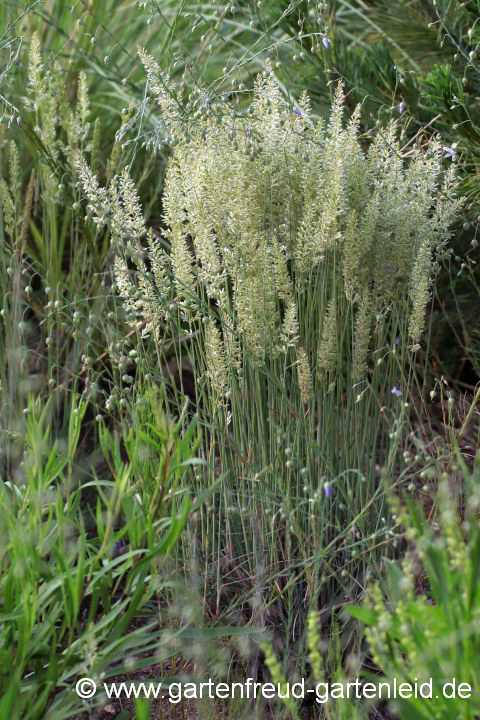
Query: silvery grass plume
point(286, 227)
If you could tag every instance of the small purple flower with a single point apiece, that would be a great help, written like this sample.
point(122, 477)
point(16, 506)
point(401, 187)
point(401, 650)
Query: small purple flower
point(396, 391)
point(450, 152)
point(401, 108)
point(397, 341)
point(118, 548)
point(298, 112)
point(327, 490)
point(325, 42)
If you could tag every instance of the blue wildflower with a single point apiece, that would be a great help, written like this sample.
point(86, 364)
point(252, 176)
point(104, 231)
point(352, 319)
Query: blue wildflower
point(325, 42)
point(397, 341)
point(396, 391)
point(450, 152)
point(327, 489)
point(298, 112)
point(118, 548)
point(401, 108)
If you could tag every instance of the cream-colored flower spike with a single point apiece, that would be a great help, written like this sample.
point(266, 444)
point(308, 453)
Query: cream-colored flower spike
point(305, 383)
point(283, 228)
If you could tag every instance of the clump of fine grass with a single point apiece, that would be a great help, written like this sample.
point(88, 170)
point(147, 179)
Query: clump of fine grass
point(302, 265)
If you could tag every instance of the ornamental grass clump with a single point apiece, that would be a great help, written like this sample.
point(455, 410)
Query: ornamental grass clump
point(294, 255)
point(286, 233)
